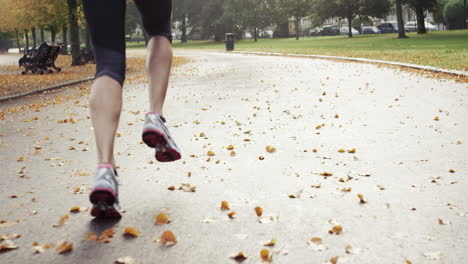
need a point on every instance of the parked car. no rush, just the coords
(247, 35)
(370, 30)
(412, 26)
(266, 34)
(333, 30)
(315, 31)
(345, 31)
(389, 27)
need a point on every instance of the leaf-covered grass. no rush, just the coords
(444, 49)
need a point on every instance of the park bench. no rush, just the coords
(40, 60)
(3, 50)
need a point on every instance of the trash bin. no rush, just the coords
(229, 41)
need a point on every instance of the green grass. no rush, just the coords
(445, 49)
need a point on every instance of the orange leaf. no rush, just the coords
(259, 211)
(168, 238)
(224, 205)
(62, 221)
(162, 219)
(130, 231)
(64, 247)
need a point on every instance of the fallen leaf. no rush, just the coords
(92, 237)
(338, 229)
(21, 159)
(270, 149)
(125, 260)
(233, 153)
(261, 158)
(171, 188)
(348, 249)
(187, 187)
(230, 147)
(240, 257)
(10, 236)
(452, 171)
(326, 174)
(408, 261)
(443, 222)
(232, 214)
(7, 245)
(131, 231)
(168, 239)
(211, 153)
(63, 247)
(334, 260)
(75, 209)
(316, 240)
(41, 249)
(436, 118)
(361, 198)
(225, 205)
(258, 211)
(62, 221)
(162, 219)
(265, 255)
(271, 243)
(341, 150)
(352, 151)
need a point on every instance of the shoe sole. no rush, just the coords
(156, 139)
(103, 201)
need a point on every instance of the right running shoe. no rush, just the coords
(104, 196)
(156, 135)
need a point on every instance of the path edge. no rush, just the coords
(50, 88)
(393, 63)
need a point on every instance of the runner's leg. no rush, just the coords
(156, 16)
(106, 20)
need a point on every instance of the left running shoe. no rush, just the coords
(104, 196)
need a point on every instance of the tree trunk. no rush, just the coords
(146, 37)
(33, 33)
(255, 33)
(297, 28)
(42, 35)
(350, 26)
(64, 38)
(27, 38)
(52, 34)
(74, 32)
(420, 19)
(88, 38)
(401, 24)
(18, 41)
(183, 38)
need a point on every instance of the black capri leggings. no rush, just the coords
(106, 20)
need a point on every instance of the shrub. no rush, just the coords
(455, 14)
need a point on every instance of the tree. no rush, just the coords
(420, 7)
(74, 31)
(349, 9)
(455, 13)
(401, 24)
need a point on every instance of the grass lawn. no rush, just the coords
(444, 49)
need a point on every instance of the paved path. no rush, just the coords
(416, 209)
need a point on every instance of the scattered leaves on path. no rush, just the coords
(258, 211)
(168, 239)
(125, 260)
(265, 255)
(63, 247)
(7, 245)
(62, 221)
(240, 257)
(41, 249)
(162, 219)
(271, 243)
(361, 198)
(225, 205)
(132, 232)
(338, 229)
(105, 237)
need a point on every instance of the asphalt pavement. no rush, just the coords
(338, 130)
